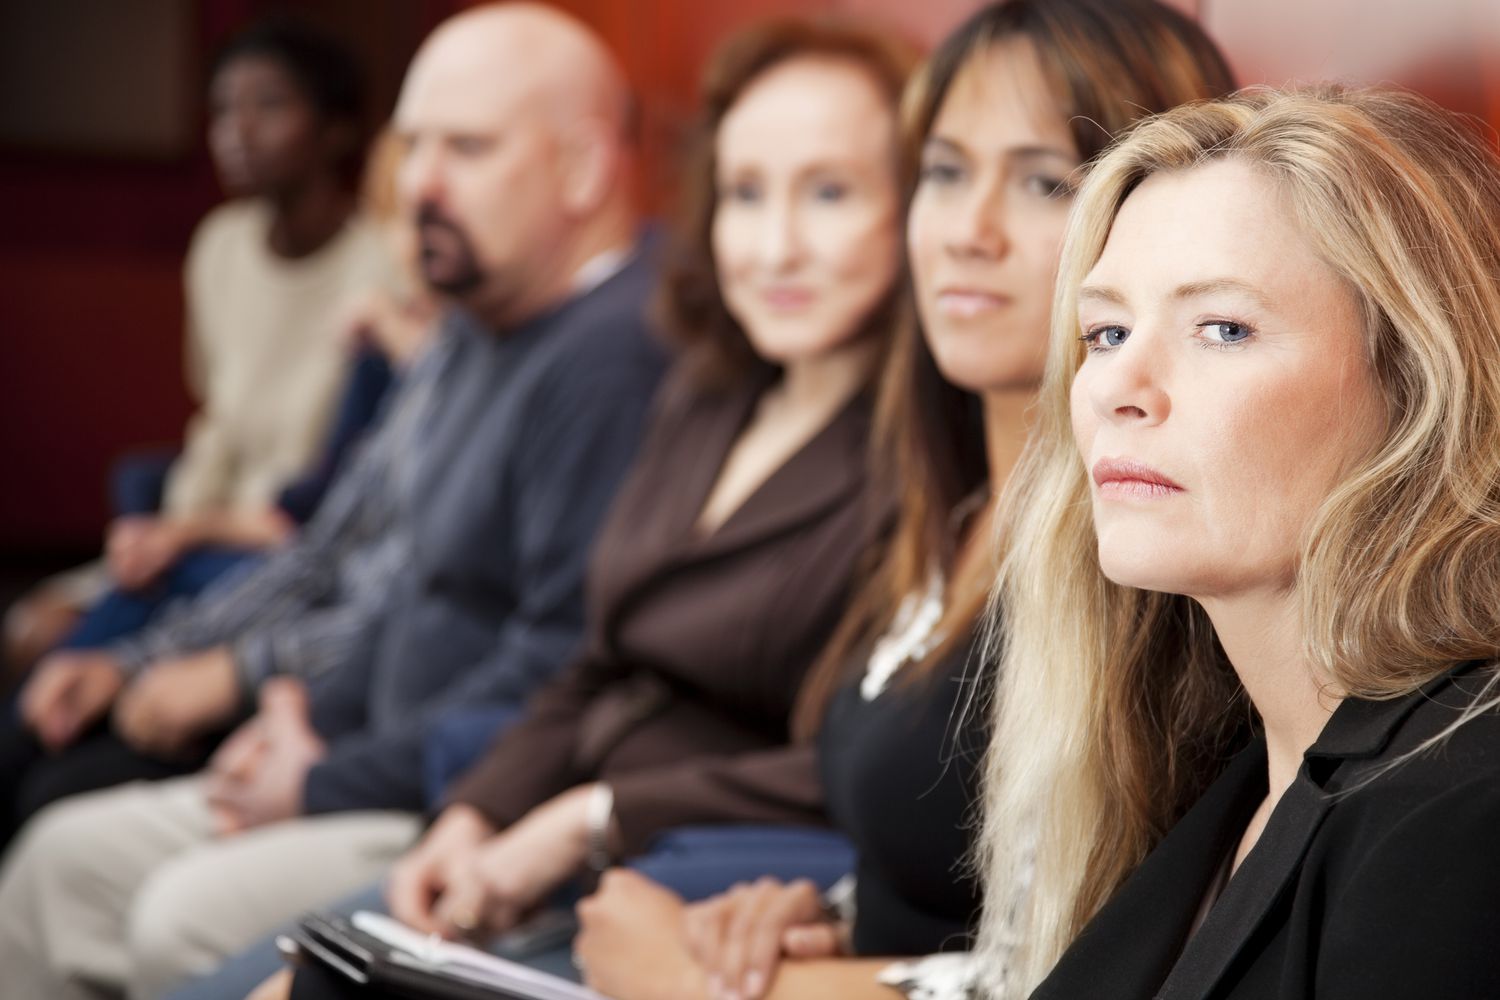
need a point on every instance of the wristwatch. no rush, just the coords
(598, 813)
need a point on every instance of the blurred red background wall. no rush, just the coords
(91, 245)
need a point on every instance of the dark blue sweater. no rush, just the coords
(529, 433)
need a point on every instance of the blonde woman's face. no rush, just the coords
(987, 219)
(1226, 390)
(804, 234)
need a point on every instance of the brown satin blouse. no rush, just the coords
(696, 645)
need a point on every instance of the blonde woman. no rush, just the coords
(1263, 509)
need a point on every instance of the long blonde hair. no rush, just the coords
(1116, 705)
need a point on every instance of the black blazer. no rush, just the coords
(1364, 886)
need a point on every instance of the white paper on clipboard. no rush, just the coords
(469, 963)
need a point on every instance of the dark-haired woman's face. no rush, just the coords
(805, 238)
(986, 222)
(263, 132)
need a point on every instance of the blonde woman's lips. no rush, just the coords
(1124, 477)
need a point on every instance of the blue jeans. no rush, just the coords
(696, 862)
(701, 861)
(137, 480)
(457, 743)
(120, 613)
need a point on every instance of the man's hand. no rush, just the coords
(234, 763)
(68, 692)
(740, 937)
(630, 943)
(514, 871)
(398, 329)
(258, 775)
(424, 874)
(175, 702)
(137, 549)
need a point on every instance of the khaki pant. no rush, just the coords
(128, 889)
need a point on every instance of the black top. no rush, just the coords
(901, 775)
(1363, 885)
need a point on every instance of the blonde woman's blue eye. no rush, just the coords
(1225, 331)
(1104, 338)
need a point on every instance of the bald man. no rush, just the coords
(443, 574)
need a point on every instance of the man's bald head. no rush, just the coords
(514, 116)
(520, 58)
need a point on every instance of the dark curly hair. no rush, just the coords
(323, 68)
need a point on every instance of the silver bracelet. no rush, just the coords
(838, 901)
(600, 810)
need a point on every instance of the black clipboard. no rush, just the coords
(355, 956)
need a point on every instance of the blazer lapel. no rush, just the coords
(663, 498)
(821, 473)
(1358, 732)
(1155, 907)
(1153, 911)
(698, 455)
(1250, 894)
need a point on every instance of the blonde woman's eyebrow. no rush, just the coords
(1190, 290)
(1219, 286)
(1101, 293)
